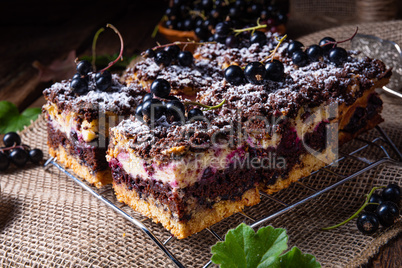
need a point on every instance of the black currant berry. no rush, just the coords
(4, 162)
(338, 55)
(234, 12)
(147, 96)
(275, 70)
(232, 41)
(300, 58)
(195, 114)
(221, 39)
(103, 80)
(153, 109)
(210, 23)
(172, 13)
(11, 139)
(314, 52)
(35, 155)
(173, 51)
(169, 98)
(179, 25)
(258, 38)
(138, 112)
(188, 24)
(327, 47)
(84, 67)
(367, 223)
(185, 58)
(222, 28)
(255, 72)
(387, 213)
(294, 46)
(207, 4)
(79, 86)
(264, 14)
(201, 32)
(76, 76)
(163, 58)
(160, 88)
(175, 111)
(241, 4)
(392, 193)
(149, 53)
(374, 198)
(170, 24)
(19, 157)
(220, 3)
(234, 74)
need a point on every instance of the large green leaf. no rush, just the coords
(12, 120)
(243, 248)
(294, 258)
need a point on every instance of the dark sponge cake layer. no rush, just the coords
(228, 184)
(88, 155)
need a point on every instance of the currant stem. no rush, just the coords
(343, 41)
(198, 13)
(182, 43)
(23, 146)
(96, 36)
(276, 48)
(121, 48)
(207, 107)
(366, 203)
(259, 26)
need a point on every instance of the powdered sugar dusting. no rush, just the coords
(310, 86)
(119, 99)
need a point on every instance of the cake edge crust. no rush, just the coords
(199, 221)
(98, 179)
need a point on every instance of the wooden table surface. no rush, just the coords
(50, 33)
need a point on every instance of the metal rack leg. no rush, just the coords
(119, 211)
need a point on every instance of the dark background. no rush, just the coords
(46, 31)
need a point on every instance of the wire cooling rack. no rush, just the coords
(382, 147)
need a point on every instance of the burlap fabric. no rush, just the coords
(46, 220)
(307, 16)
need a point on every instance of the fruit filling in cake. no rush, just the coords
(190, 162)
(79, 113)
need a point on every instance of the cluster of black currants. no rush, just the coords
(17, 153)
(380, 209)
(171, 54)
(327, 48)
(159, 103)
(80, 80)
(228, 34)
(203, 16)
(255, 72)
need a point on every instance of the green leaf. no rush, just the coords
(31, 113)
(243, 248)
(7, 109)
(12, 120)
(294, 258)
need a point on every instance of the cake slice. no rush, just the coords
(188, 175)
(78, 125)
